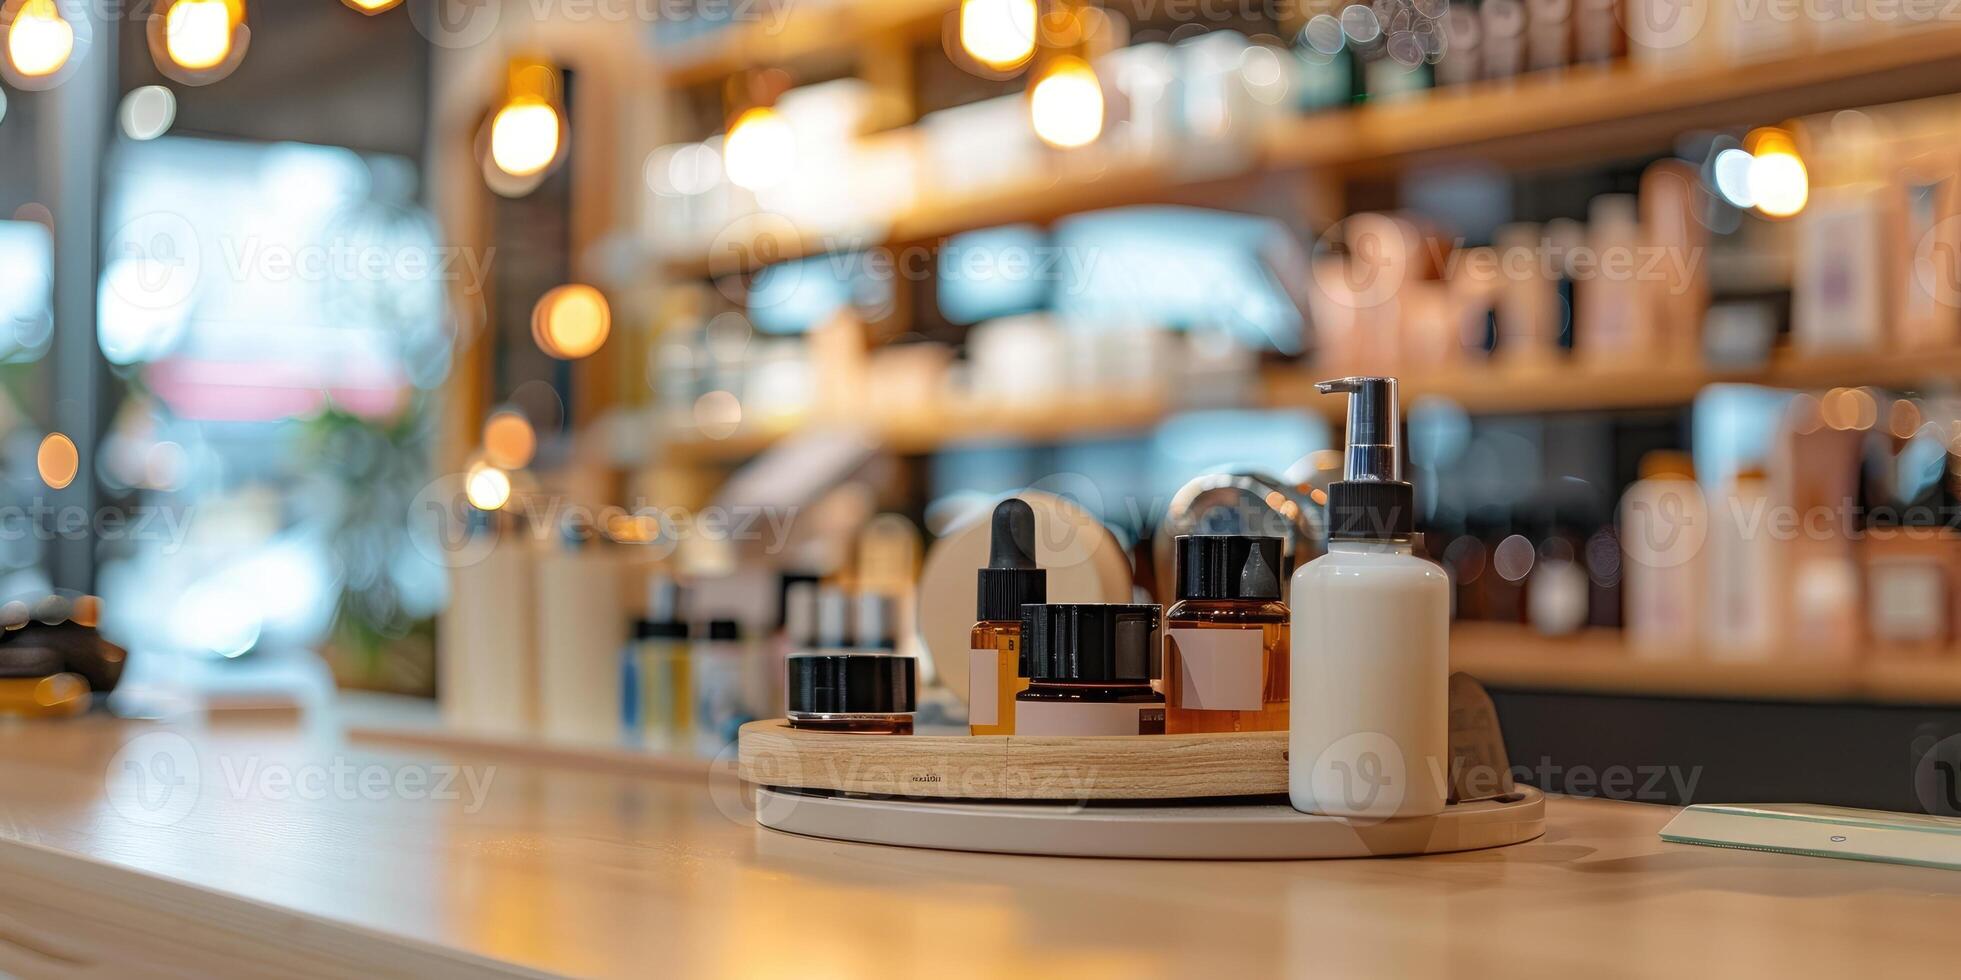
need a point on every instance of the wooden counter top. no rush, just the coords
(350, 868)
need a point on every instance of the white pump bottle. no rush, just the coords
(1371, 638)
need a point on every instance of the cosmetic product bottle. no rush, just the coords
(1529, 307)
(1503, 36)
(1371, 638)
(1549, 34)
(1926, 200)
(1747, 578)
(1090, 668)
(1225, 647)
(1664, 525)
(853, 693)
(995, 666)
(1597, 35)
(657, 692)
(1610, 316)
(1838, 294)
(1911, 589)
(722, 696)
(1672, 200)
(1464, 39)
(872, 623)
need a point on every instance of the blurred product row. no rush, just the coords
(1838, 237)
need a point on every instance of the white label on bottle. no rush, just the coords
(1219, 669)
(983, 686)
(1084, 718)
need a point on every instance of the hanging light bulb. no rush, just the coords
(372, 6)
(1066, 104)
(197, 42)
(759, 150)
(998, 33)
(527, 133)
(1777, 181)
(198, 33)
(39, 40)
(524, 138)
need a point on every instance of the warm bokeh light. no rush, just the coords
(1903, 419)
(39, 41)
(998, 33)
(1066, 105)
(718, 414)
(1848, 409)
(1779, 185)
(508, 440)
(197, 34)
(487, 487)
(57, 460)
(759, 150)
(373, 6)
(524, 137)
(571, 321)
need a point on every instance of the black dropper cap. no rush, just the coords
(1228, 566)
(724, 629)
(663, 620)
(1011, 579)
(850, 684)
(1370, 502)
(1090, 642)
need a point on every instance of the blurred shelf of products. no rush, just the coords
(730, 327)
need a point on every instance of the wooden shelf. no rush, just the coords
(1476, 388)
(950, 425)
(1600, 112)
(1599, 662)
(1540, 119)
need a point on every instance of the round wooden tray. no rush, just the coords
(1016, 767)
(1267, 831)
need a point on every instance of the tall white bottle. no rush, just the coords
(1371, 638)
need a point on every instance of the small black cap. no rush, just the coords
(1371, 510)
(850, 683)
(724, 629)
(1011, 579)
(1228, 566)
(1107, 643)
(659, 629)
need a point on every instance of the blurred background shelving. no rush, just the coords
(1588, 112)
(1483, 389)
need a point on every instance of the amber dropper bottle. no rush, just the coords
(1010, 580)
(1226, 646)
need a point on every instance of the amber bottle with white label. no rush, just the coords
(1225, 647)
(1010, 580)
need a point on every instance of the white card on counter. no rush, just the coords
(983, 686)
(1219, 669)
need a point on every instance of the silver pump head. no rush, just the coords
(1374, 453)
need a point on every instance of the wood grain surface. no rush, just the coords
(600, 873)
(1016, 767)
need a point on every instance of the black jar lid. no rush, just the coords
(1228, 566)
(1109, 643)
(850, 684)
